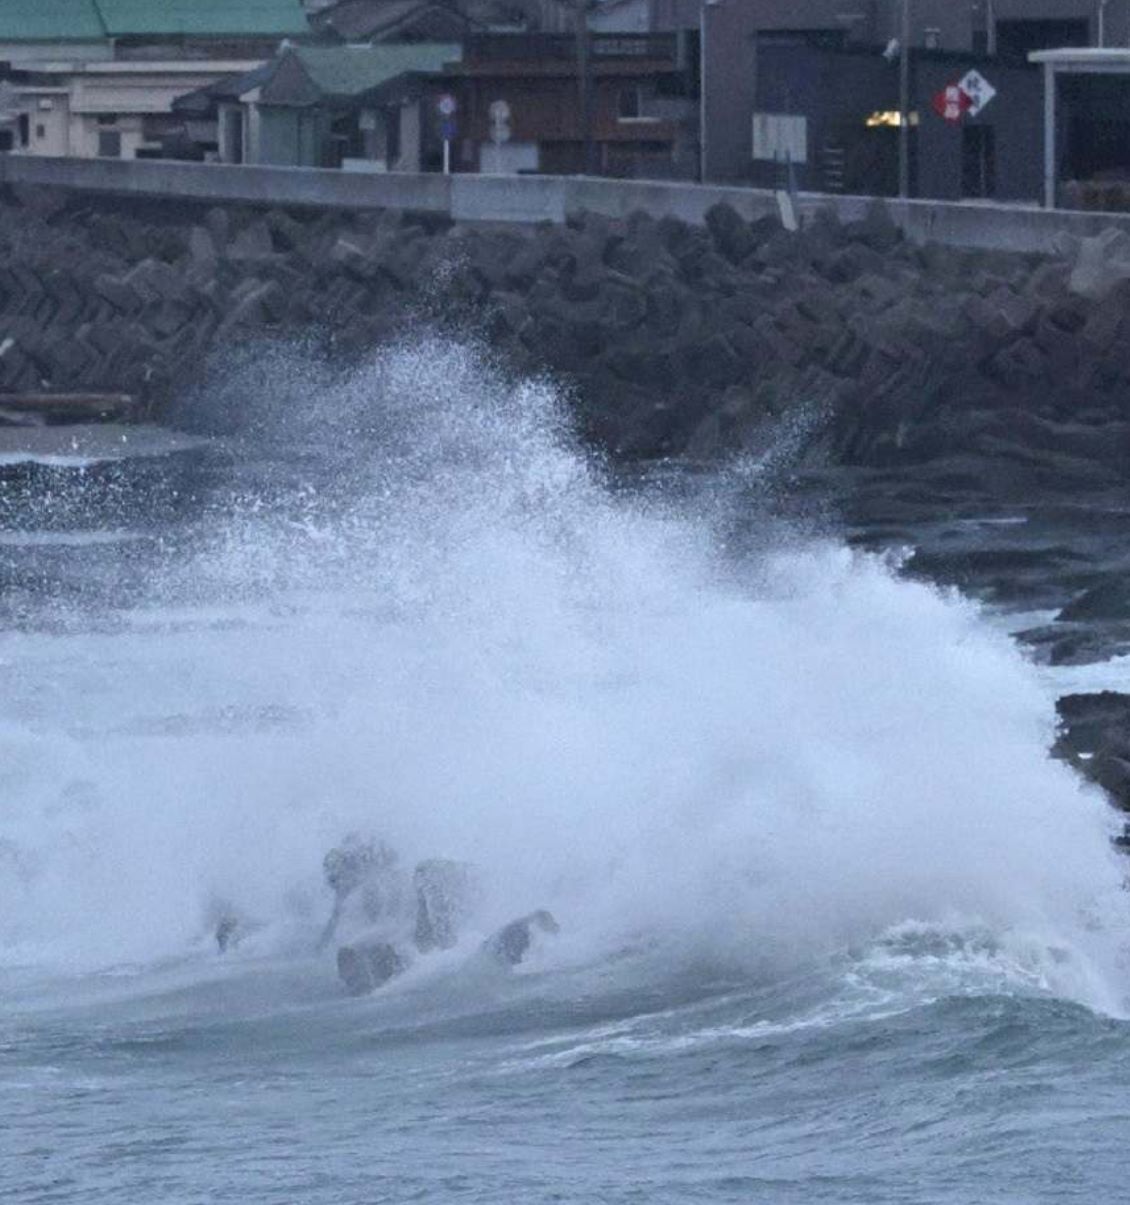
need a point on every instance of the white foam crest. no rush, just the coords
(491, 656)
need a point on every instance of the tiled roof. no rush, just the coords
(203, 18)
(96, 20)
(351, 70)
(50, 20)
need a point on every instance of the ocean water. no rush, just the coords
(833, 925)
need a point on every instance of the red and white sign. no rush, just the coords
(952, 103)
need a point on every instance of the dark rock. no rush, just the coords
(366, 966)
(732, 235)
(219, 224)
(287, 234)
(1111, 600)
(365, 868)
(252, 242)
(227, 933)
(877, 229)
(445, 894)
(512, 942)
(1095, 739)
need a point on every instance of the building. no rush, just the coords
(108, 109)
(1008, 28)
(1086, 129)
(359, 107)
(643, 119)
(372, 21)
(827, 120)
(98, 77)
(355, 21)
(808, 91)
(155, 30)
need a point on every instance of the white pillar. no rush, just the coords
(1050, 168)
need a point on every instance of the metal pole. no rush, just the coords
(447, 156)
(702, 95)
(1050, 169)
(991, 23)
(904, 103)
(584, 77)
(1102, 23)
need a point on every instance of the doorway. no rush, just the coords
(978, 161)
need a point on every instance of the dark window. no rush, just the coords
(107, 119)
(392, 133)
(25, 129)
(824, 39)
(109, 144)
(41, 131)
(978, 161)
(1017, 39)
(628, 103)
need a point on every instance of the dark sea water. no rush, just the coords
(834, 927)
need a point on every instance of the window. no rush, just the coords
(107, 119)
(628, 104)
(41, 131)
(1016, 39)
(109, 144)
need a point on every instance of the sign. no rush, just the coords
(952, 103)
(447, 105)
(499, 122)
(448, 130)
(978, 89)
(780, 137)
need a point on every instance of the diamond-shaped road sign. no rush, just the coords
(978, 89)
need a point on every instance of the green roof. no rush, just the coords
(350, 70)
(50, 21)
(96, 20)
(202, 18)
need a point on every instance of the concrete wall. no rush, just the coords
(474, 198)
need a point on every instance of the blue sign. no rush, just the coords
(447, 129)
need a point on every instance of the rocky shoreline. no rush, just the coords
(925, 385)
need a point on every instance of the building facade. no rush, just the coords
(103, 109)
(808, 93)
(642, 107)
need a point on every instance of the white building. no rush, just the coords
(113, 109)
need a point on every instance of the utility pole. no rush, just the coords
(904, 102)
(584, 81)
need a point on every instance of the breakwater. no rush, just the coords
(675, 339)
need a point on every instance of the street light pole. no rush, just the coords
(904, 103)
(584, 79)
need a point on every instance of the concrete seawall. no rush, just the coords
(526, 199)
